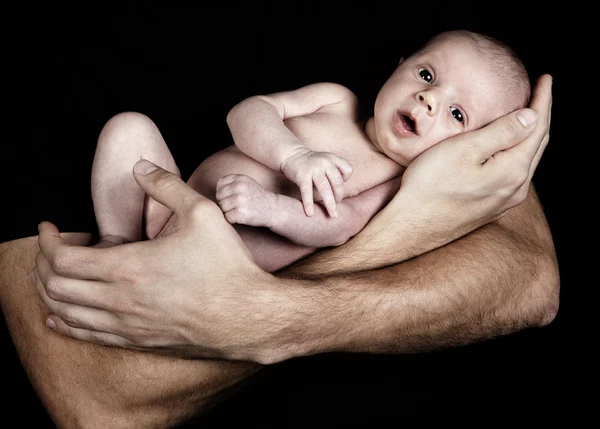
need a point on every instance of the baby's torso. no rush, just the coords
(324, 131)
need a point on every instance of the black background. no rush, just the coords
(70, 70)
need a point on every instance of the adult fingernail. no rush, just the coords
(50, 323)
(527, 117)
(144, 167)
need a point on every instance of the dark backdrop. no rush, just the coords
(71, 70)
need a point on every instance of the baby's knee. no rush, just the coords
(127, 124)
(130, 119)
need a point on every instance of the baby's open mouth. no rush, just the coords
(404, 124)
(409, 123)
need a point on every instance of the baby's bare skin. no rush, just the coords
(263, 197)
(328, 130)
(129, 136)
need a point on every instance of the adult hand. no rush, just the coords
(482, 174)
(462, 183)
(195, 284)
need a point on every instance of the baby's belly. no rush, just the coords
(232, 161)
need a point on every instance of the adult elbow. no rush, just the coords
(544, 305)
(550, 310)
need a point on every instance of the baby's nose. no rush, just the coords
(428, 102)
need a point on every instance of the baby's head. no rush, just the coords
(459, 81)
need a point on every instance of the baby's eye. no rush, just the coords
(425, 75)
(457, 114)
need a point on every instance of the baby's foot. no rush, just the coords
(243, 200)
(110, 241)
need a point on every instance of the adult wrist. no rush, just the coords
(273, 335)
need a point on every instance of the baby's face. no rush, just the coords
(445, 90)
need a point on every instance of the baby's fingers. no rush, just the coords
(324, 188)
(344, 168)
(306, 190)
(336, 182)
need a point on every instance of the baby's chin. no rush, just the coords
(397, 151)
(402, 157)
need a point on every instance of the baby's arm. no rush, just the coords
(244, 201)
(258, 130)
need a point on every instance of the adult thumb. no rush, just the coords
(165, 187)
(505, 132)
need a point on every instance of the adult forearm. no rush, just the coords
(399, 232)
(501, 278)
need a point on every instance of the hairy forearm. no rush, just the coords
(404, 229)
(258, 131)
(499, 279)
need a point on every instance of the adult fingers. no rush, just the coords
(501, 134)
(538, 156)
(83, 292)
(541, 103)
(74, 261)
(529, 152)
(76, 315)
(92, 336)
(165, 187)
(80, 317)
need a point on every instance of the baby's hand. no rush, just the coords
(243, 200)
(325, 170)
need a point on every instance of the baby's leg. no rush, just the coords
(119, 203)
